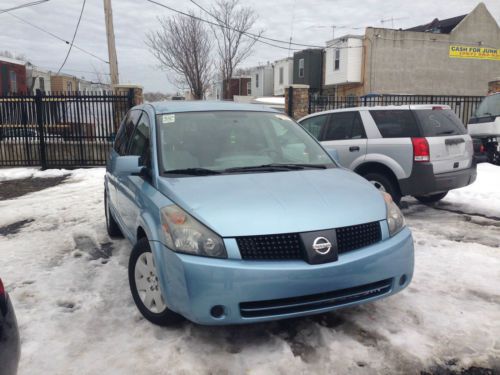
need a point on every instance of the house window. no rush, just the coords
(301, 68)
(249, 87)
(282, 73)
(336, 65)
(42, 83)
(13, 81)
(256, 80)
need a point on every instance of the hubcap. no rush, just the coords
(378, 185)
(146, 282)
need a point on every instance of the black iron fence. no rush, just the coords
(59, 129)
(463, 106)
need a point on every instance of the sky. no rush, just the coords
(306, 21)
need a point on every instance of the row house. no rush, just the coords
(12, 76)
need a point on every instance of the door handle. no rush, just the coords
(354, 148)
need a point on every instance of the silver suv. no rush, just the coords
(419, 150)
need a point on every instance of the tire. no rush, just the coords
(384, 183)
(111, 224)
(432, 198)
(494, 157)
(141, 267)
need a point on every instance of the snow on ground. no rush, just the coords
(18, 173)
(68, 282)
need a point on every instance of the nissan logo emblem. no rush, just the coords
(321, 245)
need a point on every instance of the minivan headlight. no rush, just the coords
(395, 219)
(185, 234)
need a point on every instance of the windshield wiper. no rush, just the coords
(193, 171)
(275, 167)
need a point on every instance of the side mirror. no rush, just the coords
(128, 165)
(334, 155)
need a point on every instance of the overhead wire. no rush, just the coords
(56, 37)
(23, 6)
(250, 35)
(247, 33)
(74, 36)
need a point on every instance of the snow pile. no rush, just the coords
(20, 173)
(68, 282)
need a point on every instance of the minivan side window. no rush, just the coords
(313, 124)
(125, 131)
(139, 143)
(344, 125)
(395, 123)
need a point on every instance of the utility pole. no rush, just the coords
(110, 34)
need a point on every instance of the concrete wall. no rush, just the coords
(405, 62)
(287, 65)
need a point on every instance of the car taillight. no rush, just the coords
(2, 289)
(482, 148)
(420, 149)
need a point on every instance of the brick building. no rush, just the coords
(12, 76)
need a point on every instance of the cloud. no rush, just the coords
(306, 21)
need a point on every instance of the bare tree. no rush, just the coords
(183, 46)
(11, 55)
(233, 46)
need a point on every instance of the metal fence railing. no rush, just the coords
(463, 106)
(59, 129)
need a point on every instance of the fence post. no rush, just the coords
(290, 101)
(131, 97)
(41, 130)
(309, 100)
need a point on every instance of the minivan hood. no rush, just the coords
(277, 202)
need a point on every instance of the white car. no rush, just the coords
(419, 150)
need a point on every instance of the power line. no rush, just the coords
(56, 37)
(23, 6)
(74, 36)
(247, 33)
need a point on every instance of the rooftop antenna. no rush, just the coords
(391, 20)
(291, 27)
(333, 27)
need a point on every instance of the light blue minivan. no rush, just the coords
(238, 215)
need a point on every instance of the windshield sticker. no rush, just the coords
(167, 119)
(282, 117)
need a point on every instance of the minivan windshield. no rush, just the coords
(489, 107)
(197, 143)
(439, 122)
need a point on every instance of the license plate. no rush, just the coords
(453, 150)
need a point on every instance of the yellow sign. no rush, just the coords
(482, 53)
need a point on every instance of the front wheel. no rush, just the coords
(384, 184)
(432, 198)
(145, 286)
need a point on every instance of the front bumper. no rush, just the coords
(423, 181)
(193, 285)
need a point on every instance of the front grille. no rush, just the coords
(289, 246)
(276, 246)
(313, 302)
(358, 236)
